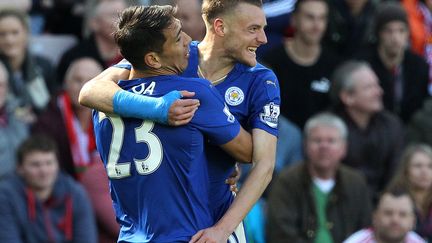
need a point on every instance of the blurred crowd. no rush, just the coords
(354, 154)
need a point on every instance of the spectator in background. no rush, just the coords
(302, 65)
(100, 45)
(32, 76)
(189, 13)
(419, 130)
(319, 200)
(393, 221)
(420, 23)
(375, 137)
(67, 12)
(22, 5)
(95, 181)
(415, 175)
(13, 130)
(278, 14)
(69, 123)
(403, 75)
(350, 26)
(40, 204)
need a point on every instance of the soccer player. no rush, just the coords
(158, 174)
(226, 56)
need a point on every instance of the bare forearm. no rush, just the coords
(98, 93)
(264, 149)
(240, 148)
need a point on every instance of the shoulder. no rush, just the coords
(361, 236)
(42, 61)
(389, 120)
(413, 58)
(292, 173)
(330, 58)
(66, 184)
(258, 70)
(351, 175)
(259, 76)
(10, 185)
(414, 238)
(195, 84)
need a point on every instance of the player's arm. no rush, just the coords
(264, 113)
(103, 94)
(264, 152)
(98, 93)
(240, 148)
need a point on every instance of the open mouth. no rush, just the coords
(252, 49)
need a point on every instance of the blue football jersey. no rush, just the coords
(158, 174)
(253, 97)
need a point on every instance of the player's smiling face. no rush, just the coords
(244, 33)
(175, 52)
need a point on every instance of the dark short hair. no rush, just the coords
(397, 190)
(388, 12)
(140, 31)
(212, 9)
(19, 15)
(36, 142)
(299, 2)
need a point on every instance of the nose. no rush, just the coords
(262, 38)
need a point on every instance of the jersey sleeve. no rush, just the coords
(213, 117)
(125, 64)
(265, 108)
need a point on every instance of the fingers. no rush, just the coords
(231, 181)
(180, 122)
(234, 188)
(182, 111)
(186, 115)
(197, 236)
(180, 107)
(187, 94)
(183, 118)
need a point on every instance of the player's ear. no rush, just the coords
(218, 25)
(152, 60)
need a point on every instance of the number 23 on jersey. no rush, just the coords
(143, 134)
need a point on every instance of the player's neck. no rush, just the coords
(213, 64)
(135, 73)
(301, 52)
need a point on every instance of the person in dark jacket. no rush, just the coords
(32, 77)
(375, 137)
(69, 123)
(319, 200)
(40, 204)
(403, 75)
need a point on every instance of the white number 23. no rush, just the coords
(143, 134)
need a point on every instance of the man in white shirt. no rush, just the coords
(393, 221)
